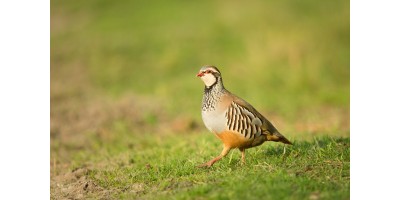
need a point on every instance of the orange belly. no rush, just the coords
(234, 140)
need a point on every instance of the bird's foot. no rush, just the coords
(207, 164)
(204, 165)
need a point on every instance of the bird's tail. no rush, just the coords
(277, 137)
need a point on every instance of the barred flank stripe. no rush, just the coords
(248, 121)
(240, 119)
(229, 113)
(232, 124)
(245, 129)
(254, 128)
(240, 122)
(258, 129)
(240, 128)
(248, 129)
(236, 122)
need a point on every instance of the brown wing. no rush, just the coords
(259, 120)
(266, 126)
(243, 121)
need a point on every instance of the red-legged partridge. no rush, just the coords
(234, 121)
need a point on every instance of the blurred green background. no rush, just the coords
(281, 55)
(132, 64)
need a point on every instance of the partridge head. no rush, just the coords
(234, 121)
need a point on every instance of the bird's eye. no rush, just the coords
(208, 71)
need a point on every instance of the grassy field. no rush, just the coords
(125, 102)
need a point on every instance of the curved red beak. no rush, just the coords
(200, 74)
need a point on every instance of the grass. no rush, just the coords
(164, 167)
(125, 119)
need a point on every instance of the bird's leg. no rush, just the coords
(243, 156)
(284, 149)
(211, 162)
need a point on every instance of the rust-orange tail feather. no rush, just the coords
(277, 137)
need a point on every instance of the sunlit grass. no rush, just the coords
(125, 102)
(165, 167)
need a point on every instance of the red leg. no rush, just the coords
(243, 156)
(211, 162)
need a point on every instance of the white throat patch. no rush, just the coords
(208, 79)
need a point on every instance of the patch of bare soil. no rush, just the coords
(75, 120)
(76, 185)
